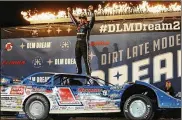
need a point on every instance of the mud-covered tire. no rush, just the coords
(138, 107)
(37, 107)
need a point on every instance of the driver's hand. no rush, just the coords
(69, 9)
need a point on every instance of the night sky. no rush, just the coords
(11, 10)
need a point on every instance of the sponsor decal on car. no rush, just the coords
(112, 96)
(4, 90)
(89, 90)
(17, 90)
(9, 98)
(66, 97)
(55, 107)
(41, 90)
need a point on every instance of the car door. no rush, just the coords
(66, 91)
(79, 93)
(96, 97)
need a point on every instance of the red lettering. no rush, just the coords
(23, 62)
(89, 90)
(17, 90)
(99, 43)
(13, 62)
(80, 89)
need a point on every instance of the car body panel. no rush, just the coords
(164, 100)
(75, 99)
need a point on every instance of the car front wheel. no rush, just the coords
(138, 107)
(37, 107)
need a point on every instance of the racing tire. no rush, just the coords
(138, 107)
(37, 108)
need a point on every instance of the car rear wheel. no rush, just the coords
(37, 107)
(138, 107)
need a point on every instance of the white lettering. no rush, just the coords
(118, 75)
(146, 47)
(167, 70)
(115, 57)
(128, 27)
(104, 59)
(135, 51)
(151, 26)
(138, 26)
(167, 26)
(164, 42)
(112, 28)
(141, 47)
(157, 27)
(137, 73)
(178, 39)
(156, 45)
(128, 53)
(121, 54)
(39, 45)
(171, 41)
(176, 25)
(117, 28)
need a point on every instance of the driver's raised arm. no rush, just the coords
(72, 17)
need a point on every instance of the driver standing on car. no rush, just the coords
(82, 44)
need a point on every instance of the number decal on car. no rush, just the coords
(105, 93)
(66, 97)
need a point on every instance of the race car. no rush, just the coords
(45, 93)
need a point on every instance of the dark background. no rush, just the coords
(10, 11)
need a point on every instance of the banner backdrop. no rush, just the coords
(117, 57)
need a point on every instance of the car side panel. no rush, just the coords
(12, 97)
(85, 99)
(164, 100)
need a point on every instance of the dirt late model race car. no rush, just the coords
(77, 94)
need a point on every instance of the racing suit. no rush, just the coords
(82, 43)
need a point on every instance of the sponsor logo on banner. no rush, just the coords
(13, 62)
(9, 46)
(99, 43)
(62, 61)
(17, 90)
(141, 49)
(36, 45)
(130, 27)
(65, 61)
(37, 62)
(162, 64)
(65, 45)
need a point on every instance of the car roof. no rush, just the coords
(82, 75)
